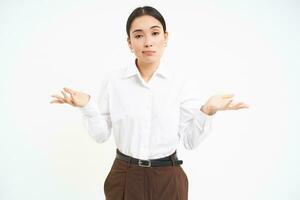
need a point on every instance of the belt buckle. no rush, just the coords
(147, 165)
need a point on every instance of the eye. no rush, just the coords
(155, 33)
(137, 36)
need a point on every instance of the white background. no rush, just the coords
(249, 48)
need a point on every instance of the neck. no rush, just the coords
(147, 69)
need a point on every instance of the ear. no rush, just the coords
(129, 42)
(166, 36)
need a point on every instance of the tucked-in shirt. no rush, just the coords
(148, 119)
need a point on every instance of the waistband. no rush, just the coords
(171, 160)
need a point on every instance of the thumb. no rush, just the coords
(71, 92)
(229, 102)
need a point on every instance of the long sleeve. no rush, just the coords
(194, 124)
(97, 118)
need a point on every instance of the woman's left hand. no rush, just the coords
(221, 102)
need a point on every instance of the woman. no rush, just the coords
(151, 111)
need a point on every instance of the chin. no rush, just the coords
(149, 59)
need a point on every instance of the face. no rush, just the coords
(147, 39)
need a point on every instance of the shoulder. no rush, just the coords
(183, 78)
(116, 73)
(108, 78)
(113, 75)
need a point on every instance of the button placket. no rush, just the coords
(147, 124)
(149, 121)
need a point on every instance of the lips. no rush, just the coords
(148, 52)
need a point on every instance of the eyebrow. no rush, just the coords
(136, 30)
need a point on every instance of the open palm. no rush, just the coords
(223, 102)
(72, 97)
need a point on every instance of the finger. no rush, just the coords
(68, 90)
(71, 92)
(228, 104)
(244, 106)
(239, 106)
(247, 106)
(57, 101)
(57, 96)
(67, 99)
(70, 100)
(66, 96)
(225, 96)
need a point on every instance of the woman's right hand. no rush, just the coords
(75, 98)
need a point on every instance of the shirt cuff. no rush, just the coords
(202, 117)
(90, 109)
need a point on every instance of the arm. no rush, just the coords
(97, 119)
(194, 123)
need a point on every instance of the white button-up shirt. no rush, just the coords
(148, 119)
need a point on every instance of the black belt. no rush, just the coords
(166, 161)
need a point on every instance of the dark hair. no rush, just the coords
(141, 11)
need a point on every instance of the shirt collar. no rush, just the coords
(132, 70)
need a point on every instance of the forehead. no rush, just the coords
(144, 23)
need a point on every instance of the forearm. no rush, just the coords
(98, 124)
(196, 129)
(98, 128)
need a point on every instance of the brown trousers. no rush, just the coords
(131, 182)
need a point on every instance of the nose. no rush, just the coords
(148, 42)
